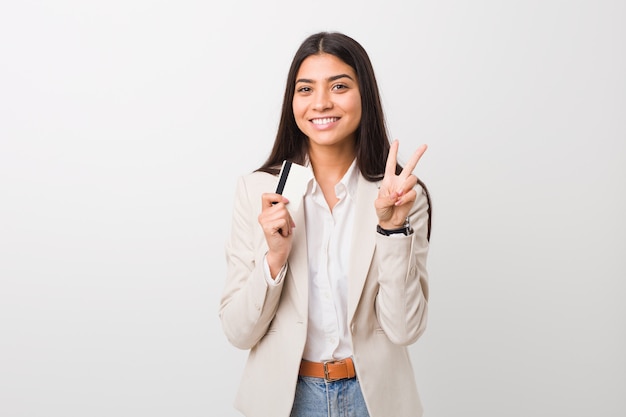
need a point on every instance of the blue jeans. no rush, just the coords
(318, 398)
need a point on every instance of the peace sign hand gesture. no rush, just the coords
(396, 194)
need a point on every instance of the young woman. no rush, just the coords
(328, 298)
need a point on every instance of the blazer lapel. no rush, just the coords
(363, 241)
(298, 259)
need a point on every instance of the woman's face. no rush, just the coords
(327, 100)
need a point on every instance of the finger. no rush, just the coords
(288, 227)
(412, 162)
(408, 184)
(408, 197)
(390, 168)
(269, 199)
(386, 201)
(277, 227)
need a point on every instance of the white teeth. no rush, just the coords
(325, 120)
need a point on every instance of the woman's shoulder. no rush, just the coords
(258, 182)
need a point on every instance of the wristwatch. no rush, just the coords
(406, 229)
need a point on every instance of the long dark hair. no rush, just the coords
(372, 141)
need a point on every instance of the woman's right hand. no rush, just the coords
(277, 227)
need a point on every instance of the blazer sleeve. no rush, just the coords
(248, 303)
(402, 299)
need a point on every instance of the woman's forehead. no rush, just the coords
(321, 66)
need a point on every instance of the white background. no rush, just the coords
(123, 127)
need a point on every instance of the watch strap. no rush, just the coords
(406, 229)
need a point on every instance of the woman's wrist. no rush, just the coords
(388, 229)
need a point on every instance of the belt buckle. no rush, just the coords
(327, 378)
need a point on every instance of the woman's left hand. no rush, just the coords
(396, 193)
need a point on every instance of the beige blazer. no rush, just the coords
(387, 305)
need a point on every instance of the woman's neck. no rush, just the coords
(329, 166)
(330, 163)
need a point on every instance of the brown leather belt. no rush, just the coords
(330, 370)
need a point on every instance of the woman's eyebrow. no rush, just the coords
(332, 78)
(336, 77)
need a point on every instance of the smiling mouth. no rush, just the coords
(324, 120)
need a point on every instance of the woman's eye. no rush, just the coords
(339, 87)
(304, 90)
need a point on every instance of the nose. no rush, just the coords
(322, 100)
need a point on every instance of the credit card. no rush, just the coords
(292, 182)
